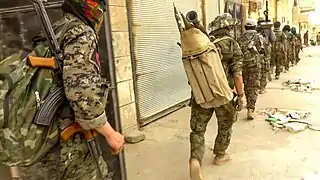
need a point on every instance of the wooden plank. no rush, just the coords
(204, 86)
(193, 82)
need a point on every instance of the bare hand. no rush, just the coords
(239, 103)
(116, 142)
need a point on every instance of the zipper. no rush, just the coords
(6, 102)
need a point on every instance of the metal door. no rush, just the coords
(161, 83)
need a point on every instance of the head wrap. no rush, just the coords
(91, 11)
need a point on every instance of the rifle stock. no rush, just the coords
(42, 62)
(74, 128)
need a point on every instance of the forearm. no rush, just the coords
(238, 84)
(106, 130)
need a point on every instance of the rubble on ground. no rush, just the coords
(299, 85)
(291, 120)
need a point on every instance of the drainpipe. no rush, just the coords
(204, 13)
(133, 59)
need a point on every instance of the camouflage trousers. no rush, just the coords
(297, 56)
(76, 163)
(286, 62)
(278, 63)
(292, 58)
(251, 81)
(265, 70)
(200, 117)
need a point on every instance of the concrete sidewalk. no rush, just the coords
(259, 153)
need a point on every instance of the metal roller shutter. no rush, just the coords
(161, 80)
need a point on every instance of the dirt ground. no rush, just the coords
(259, 153)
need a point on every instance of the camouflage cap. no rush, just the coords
(222, 21)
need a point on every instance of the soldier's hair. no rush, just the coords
(286, 28)
(276, 24)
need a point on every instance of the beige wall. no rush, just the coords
(121, 45)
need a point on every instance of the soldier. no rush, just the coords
(298, 44)
(306, 38)
(86, 91)
(268, 39)
(278, 54)
(251, 44)
(291, 41)
(226, 114)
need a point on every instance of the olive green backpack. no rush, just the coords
(29, 99)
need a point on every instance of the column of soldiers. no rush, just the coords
(265, 49)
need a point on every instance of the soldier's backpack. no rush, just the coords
(202, 64)
(29, 98)
(278, 46)
(250, 50)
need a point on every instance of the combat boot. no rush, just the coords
(195, 170)
(277, 77)
(221, 159)
(250, 114)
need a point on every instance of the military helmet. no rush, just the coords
(294, 30)
(222, 21)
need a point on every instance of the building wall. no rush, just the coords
(121, 45)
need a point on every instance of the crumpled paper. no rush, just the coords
(299, 85)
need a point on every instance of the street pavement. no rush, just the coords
(259, 153)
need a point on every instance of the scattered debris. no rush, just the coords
(299, 85)
(291, 120)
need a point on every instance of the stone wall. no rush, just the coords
(121, 45)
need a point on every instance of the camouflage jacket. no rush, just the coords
(232, 56)
(279, 46)
(291, 43)
(84, 87)
(298, 42)
(251, 44)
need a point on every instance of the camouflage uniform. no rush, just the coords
(298, 44)
(278, 54)
(226, 114)
(290, 49)
(86, 92)
(251, 44)
(268, 39)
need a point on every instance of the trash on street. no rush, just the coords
(292, 120)
(299, 85)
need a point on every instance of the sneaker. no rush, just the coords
(220, 160)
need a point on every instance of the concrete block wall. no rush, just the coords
(121, 45)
